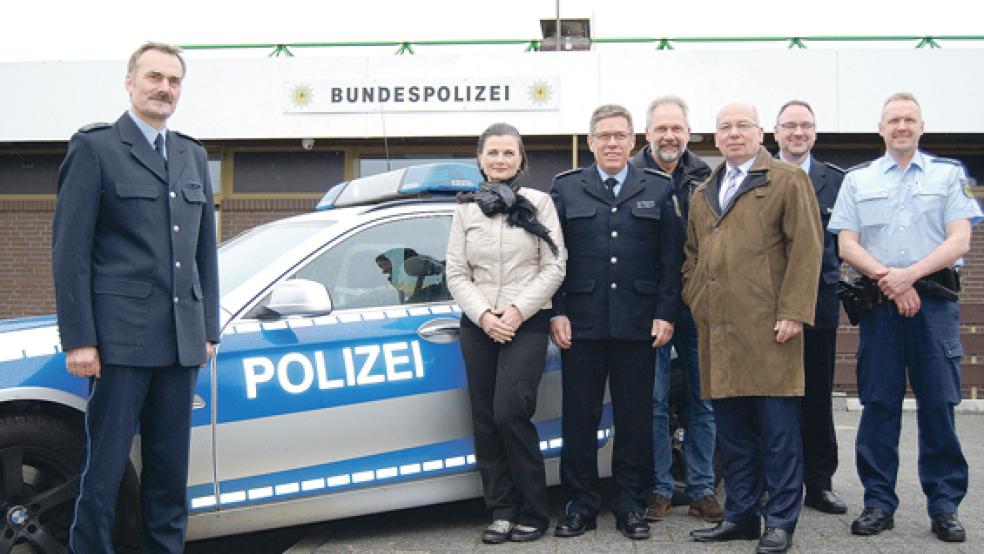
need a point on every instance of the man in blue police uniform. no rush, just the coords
(796, 132)
(668, 132)
(136, 286)
(904, 221)
(616, 305)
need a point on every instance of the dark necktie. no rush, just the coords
(610, 184)
(159, 146)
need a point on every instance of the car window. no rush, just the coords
(397, 262)
(246, 254)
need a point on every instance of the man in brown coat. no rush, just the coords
(753, 260)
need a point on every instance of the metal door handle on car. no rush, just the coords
(441, 330)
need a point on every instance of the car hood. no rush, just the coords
(23, 323)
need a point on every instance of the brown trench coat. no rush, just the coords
(757, 263)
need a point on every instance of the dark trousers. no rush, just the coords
(759, 440)
(628, 367)
(502, 384)
(819, 437)
(929, 346)
(159, 399)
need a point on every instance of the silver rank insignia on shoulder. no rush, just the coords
(646, 204)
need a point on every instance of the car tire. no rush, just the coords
(39, 477)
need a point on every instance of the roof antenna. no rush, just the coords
(382, 118)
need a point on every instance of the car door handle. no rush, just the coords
(441, 330)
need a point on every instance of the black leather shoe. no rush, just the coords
(871, 522)
(633, 526)
(574, 525)
(728, 531)
(774, 540)
(525, 533)
(826, 501)
(947, 528)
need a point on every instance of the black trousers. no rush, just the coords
(159, 400)
(628, 367)
(819, 437)
(502, 384)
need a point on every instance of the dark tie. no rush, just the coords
(159, 146)
(610, 184)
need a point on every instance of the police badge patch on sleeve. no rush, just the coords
(968, 184)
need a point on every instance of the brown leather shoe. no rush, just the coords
(657, 506)
(707, 508)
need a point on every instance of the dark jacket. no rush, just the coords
(826, 179)
(133, 250)
(624, 256)
(690, 172)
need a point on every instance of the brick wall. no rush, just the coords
(240, 215)
(26, 286)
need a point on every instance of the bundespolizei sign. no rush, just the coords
(489, 95)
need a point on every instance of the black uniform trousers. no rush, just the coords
(759, 441)
(819, 437)
(159, 400)
(502, 384)
(628, 367)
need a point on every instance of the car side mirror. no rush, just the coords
(299, 297)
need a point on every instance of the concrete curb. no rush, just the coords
(841, 402)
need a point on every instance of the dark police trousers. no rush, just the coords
(502, 384)
(819, 436)
(159, 399)
(929, 346)
(759, 441)
(627, 365)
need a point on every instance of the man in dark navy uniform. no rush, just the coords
(796, 132)
(136, 285)
(617, 304)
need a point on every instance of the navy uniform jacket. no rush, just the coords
(133, 248)
(826, 180)
(624, 256)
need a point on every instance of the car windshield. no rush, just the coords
(246, 254)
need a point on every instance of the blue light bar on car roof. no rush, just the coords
(410, 182)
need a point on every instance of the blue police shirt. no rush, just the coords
(902, 216)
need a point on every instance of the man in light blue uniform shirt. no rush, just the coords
(903, 220)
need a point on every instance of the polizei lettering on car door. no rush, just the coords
(365, 365)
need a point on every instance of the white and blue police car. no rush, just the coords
(338, 389)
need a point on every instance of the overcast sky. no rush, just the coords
(32, 30)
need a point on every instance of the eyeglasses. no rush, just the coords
(605, 138)
(790, 126)
(742, 126)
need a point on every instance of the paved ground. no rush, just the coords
(456, 527)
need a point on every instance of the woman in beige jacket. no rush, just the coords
(505, 260)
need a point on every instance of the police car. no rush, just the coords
(338, 389)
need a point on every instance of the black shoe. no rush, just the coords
(826, 501)
(871, 522)
(574, 525)
(948, 528)
(774, 540)
(728, 531)
(497, 532)
(525, 533)
(633, 526)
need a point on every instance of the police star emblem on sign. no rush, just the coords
(540, 93)
(301, 95)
